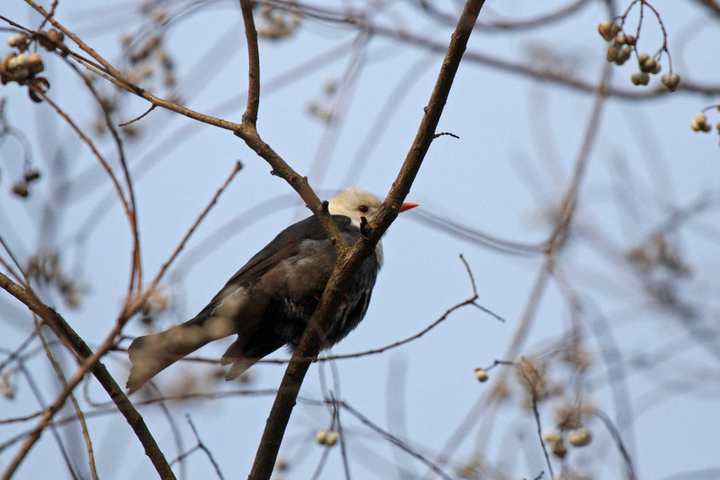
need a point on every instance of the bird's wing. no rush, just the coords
(152, 354)
(285, 245)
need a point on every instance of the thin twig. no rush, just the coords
(321, 463)
(103, 68)
(341, 434)
(395, 441)
(152, 107)
(93, 149)
(202, 447)
(50, 14)
(175, 431)
(181, 245)
(136, 277)
(35, 389)
(536, 414)
(108, 408)
(15, 355)
(543, 19)
(21, 279)
(406, 340)
(78, 411)
(105, 64)
(619, 442)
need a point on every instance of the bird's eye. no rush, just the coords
(363, 208)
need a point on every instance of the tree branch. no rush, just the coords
(253, 98)
(248, 132)
(348, 264)
(80, 349)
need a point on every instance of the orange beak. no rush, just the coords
(407, 206)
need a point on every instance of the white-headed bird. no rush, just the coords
(270, 300)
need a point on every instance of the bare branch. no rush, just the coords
(536, 414)
(348, 264)
(204, 448)
(91, 363)
(253, 97)
(76, 405)
(392, 439)
(618, 441)
(138, 303)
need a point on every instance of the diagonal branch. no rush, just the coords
(349, 263)
(78, 411)
(80, 349)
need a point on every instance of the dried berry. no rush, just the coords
(608, 30)
(559, 449)
(671, 81)
(35, 63)
(579, 437)
(481, 374)
(640, 78)
(20, 189)
(612, 53)
(31, 175)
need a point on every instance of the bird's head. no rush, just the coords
(356, 203)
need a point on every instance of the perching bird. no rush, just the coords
(269, 301)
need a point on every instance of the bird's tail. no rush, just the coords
(152, 354)
(240, 362)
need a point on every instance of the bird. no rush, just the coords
(269, 301)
